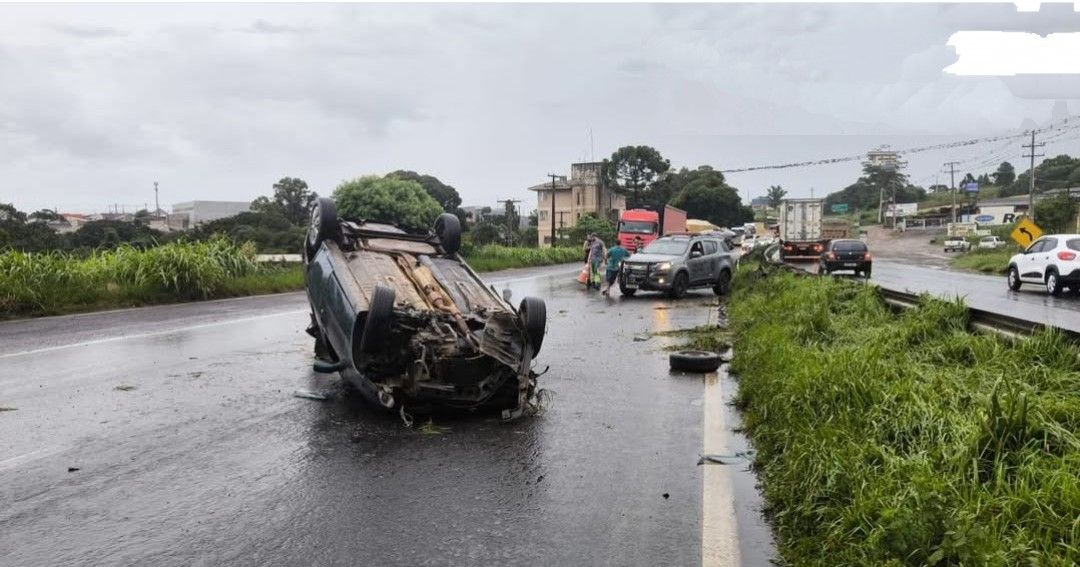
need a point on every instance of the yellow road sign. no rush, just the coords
(1026, 232)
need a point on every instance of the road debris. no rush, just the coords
(641, 338)
(124, 388)
(739, 457)
(5, 408)
(312, 395)
(73, 469)
(429, 428)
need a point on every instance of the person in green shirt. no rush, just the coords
(615, 256)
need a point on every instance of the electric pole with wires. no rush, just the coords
(952, 185)
(1031, 172)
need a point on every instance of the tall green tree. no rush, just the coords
(446, 195)
(292, 197)
(775, 195)
(706, 195)
(1056, 214)
(1054, 173)
(387, 199)
(1005, 174)
(631, 171)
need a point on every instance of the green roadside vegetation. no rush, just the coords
(984, 261)
(54, 283)
(889, 438)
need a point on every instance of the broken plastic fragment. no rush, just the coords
(310, 395)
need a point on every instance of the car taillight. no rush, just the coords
(832, 255)
(817, 248)
(866, 257)
(1066, 255)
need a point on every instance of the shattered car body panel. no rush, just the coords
(407, 322)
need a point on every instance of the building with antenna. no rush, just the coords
(583, 193)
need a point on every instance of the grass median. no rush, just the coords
(985, 261)
(903, 439)
(54, 283)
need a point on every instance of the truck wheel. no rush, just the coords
(694, 361)
(625, 290)
(723, 284)
(448, 229)
(324, 225)
(533, 315)
(1014, 278)
(680, 285)
(379, 320)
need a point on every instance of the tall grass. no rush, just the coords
(53, 282)
(888, 439)
(494, 257)
(985, 261)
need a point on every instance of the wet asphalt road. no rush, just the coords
(192, 450)
(986, 292)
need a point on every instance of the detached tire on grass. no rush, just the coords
(694, 361)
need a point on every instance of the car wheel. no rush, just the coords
(723, 284)
(324, 225)
(1014, 278)
(1053, 284)
(448, 229)
(625, 290)
(680, 285)
(379, 320)
(694, 361)
(533, 315)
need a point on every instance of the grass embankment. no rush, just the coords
(55, 282)
(985, 261)
(903, 439)
(492, 257)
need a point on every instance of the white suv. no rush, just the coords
(991, 243)
(1053, 260)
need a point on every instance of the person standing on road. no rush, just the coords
(595, 260)
(615, 256)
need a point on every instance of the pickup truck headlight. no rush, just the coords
(663, 266)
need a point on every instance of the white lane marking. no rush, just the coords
(153, 334)
(719, 533)
(8, 464)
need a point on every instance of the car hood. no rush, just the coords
(650, 258)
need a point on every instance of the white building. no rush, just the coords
(198, 212)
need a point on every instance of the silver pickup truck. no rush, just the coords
(674, 264)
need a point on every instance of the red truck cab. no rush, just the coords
(638, 226)
(642, 226)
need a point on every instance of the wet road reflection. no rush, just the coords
(210, 460)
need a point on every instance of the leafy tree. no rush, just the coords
(270, 232)
(1056, 172)
(1056, 214)
(292, 196)
(44, 215)
(1005, 174)
(969, 178)
(939, 188)
(707, 196)
(487, 232)
(387, 199)
(142, 214)
(445, 194)
(266, 206)
(8, 212)
(775, 195)
(983, 180)
(631, 171)
(586, 225)
(111, 233)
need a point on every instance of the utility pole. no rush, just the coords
(157, 204)
(508, 211)
(1031, 180)
(952, 185)
(553, 178)
(561, 223)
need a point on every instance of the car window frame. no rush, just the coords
(1035, 247)
(706, 244)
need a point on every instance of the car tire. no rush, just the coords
(533, 315)
(679, 285)
(723, 283)
(626, 291)
(1014, 278)
(1053, 283)
(379, 320)
(694, 361)
(448, 229)
(324, 225)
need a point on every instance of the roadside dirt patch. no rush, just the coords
(910, 247)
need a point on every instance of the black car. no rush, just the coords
(404, 319)
(846, 254)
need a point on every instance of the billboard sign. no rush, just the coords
(839, 208)
(971, 187)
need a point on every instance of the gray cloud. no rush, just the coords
(217, 101)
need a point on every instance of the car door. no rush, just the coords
(712, 263)
(696, 262)
(1042, 258)
(1027, 264)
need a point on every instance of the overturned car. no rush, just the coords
(407, 322)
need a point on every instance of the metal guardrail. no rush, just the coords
(979, 319)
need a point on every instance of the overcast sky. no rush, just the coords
(219, 101)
